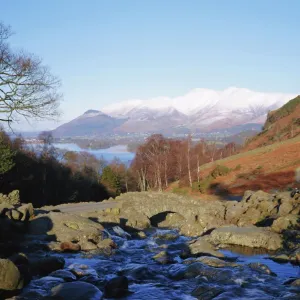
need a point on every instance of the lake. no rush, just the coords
(119, 151)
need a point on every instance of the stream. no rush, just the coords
(180, 278)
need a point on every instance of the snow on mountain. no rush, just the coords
(203, 108)
(198, 99)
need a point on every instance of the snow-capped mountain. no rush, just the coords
(200, 110)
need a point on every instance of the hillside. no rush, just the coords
(272, 167)
(281, 124)
(91, 123)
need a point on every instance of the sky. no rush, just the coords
(107, 51)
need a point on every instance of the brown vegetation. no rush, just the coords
(281, 124)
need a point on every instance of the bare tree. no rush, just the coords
(27, 88)
(189, 145)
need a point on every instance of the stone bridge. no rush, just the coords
(171, 210)
(197, 216)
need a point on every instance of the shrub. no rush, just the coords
(220, 171)
(195, 186)
(204, 184)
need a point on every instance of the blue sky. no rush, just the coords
(114, 50)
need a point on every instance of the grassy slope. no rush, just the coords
(281, 124)
(266, 168)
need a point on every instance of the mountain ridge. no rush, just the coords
(200, 110)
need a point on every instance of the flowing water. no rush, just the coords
(181, 278)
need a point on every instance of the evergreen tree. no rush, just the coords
(110, 178)
(6, 155)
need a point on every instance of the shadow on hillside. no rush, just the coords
(249, 181)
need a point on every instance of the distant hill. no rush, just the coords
(281, 124)
(92, 123)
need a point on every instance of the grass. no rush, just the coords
(180, 191)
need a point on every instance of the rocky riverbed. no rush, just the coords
(128, 252)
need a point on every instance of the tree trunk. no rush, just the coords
(198, 169)
(188, 160)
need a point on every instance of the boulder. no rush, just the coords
(286, 222)
(106, 246)
(211, 274)
(46, 265)
(19, 259)
(296, 282)
(207, 292)
(12, 198)
(10, 277)
(261, 268)
(258, 196)
(288, 205)
(251, 236)
(234, 210)
(252, 209)
(163, 258)
(64, 274)
(177, 271)
(69, 247)
(116, 287)
(81, 270)
(27, 210)
(212, 262)
(202, 247)
(136, 271)
(192, 228)
(284, 258)
(180, 249)
(88, 246)
(64, 227)
(14, 214)
(76, 291)
(141, 235)
(247, 195)
(4, 208)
